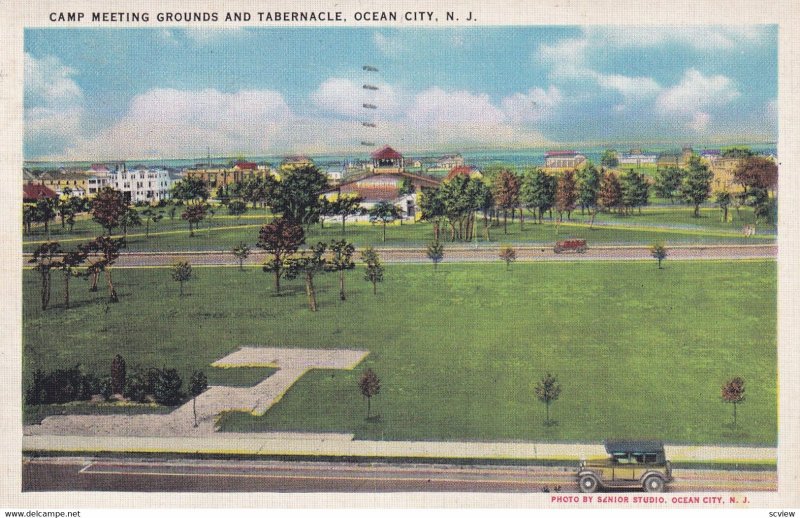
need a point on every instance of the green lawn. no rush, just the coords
(640, 352)
(222, 232)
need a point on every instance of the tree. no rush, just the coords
(45, 213)
(346, 206)
(102, 254)
(588, 180)
(370, 386)
(194, 214)
(547, 390)
(435, 253)
(341, 260)
(506, 193)
(241, 252)
(181, 272)
(610, 195)
(658, 251)
(384, 212)
(237, 208)
(280, 238)
(45, 257)
(167, 387)
(737, 152)
(432, 207)
(308, 264)
(129, 218)
(724, 200)
(757, 172)
(151, 216)
(538, 191)
(635, 191)
(297, 195)
(68, 263)
(198, 383)
(609, 158)
(668, 183)
(118, 375)
(696, 185)
(508, 254)
(29, 217)
(733, 392)
(108, 207)
(190, 190)
(566, 194)
(374, 268)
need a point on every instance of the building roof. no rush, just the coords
(99, 168)
(246, 165)
(561, 153)
(465, 170)
(619, 446)
(386, 153)
(32, 191)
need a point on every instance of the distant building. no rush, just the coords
(637, 159)
(463, 170)
(60, 181)
(142, 184)
(216, 177)
(387, 181)
(31, 193)
(563, 159)
(295, 162)
(387, 160)
(448, 162)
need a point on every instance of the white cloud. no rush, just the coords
(700, 38)
(696, 92)
(175, 123)
(346, 97)
(54, 104)
(391, 46)
(631, 88)
(699, 122)
(534, 106)
(48, 81)
(210, 35)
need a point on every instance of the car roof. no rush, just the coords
(633, 446)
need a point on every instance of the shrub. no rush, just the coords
(167, 387)
(118, 374)
(136, 388)
(105, 388)
(61, 386)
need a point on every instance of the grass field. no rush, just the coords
(671, 223)
(640, 352)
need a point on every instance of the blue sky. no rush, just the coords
(93, 94)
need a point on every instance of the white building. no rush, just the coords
(142, 184)
(637, 159)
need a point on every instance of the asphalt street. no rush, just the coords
(145, 475)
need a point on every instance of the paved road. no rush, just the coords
(474, 254)
(85, 474)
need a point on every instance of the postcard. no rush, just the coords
(400, 255)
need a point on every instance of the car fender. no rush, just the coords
(660, 475)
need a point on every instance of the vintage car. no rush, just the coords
(631, 464)
(570, 245)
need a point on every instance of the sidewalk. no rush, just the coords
(342, 445)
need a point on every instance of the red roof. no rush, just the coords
(560, 153)
(386, 153)
(37, 192)
(465, 170)
(246, 165)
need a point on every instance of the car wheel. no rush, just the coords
(653, 484)
(588, 484)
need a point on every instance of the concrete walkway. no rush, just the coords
(292, 364)
(335, 445)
